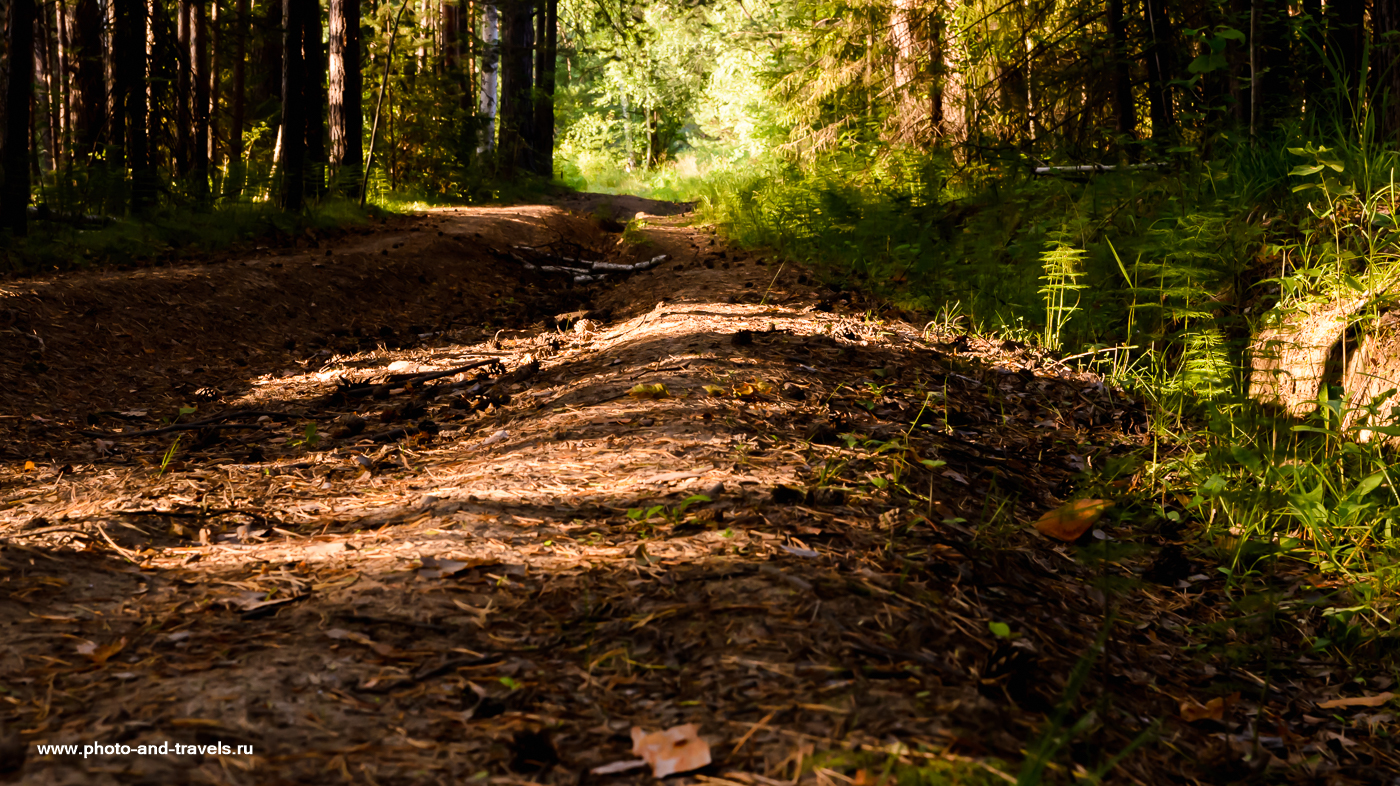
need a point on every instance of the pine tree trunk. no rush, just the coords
(346, 86)
(1346, 39)
(90, 80)
(216, 59)
(292, 162)
(548, 48)
(199, 72)
(63, 77)
(183, 116)
(239, 87)
(14, 189)
(1159, 70)
(116, 91)
(130, 60)
(467, 48)
(1385, 69)
(45, 118)
(314, 54)
(1124, 113)
(517, 87)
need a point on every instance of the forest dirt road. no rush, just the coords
(407, 506)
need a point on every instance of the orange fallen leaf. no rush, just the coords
(1358, 701)
(1192, 711)
(677, 749)
(100, 654)
(28, 465)
(1072, 519)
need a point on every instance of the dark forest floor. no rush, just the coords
(375, 572)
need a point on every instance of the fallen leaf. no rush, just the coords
(1192, 711)
(499, 436)
(28, 465)
(1072, 519)
(677, 749)
(714, 390)
(1357, 701)
(434, 568)
(643, 391)
(100, 655)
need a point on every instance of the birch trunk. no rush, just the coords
(490, 61)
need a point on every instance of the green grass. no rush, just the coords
(1184, 265)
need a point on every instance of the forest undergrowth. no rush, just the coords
(1157, 277)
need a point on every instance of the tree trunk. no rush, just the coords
(490, 65)
(292, 163)
(468, 51)
(1256, 79)
(239, 88)
(269, 71)
(449, 49)
(314, 54)
(517, 107)
(548, 47)
(903, 21)
(92, 90)
(1346, 39)
(1308, 57)
(199, 71)
(1385, 70)
(44, 120)
(130, 65)
(14, 190)
(63, 79)
(1124, 113)
(1159, 70)
(346, 86)
(183, 116)
(216, 59)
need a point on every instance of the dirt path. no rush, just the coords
(706, 492)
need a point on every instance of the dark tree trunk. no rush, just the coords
(1346, 37)
(45, 118)
(183, 117)
(164, 58)
(295, 15)
(1124, 113)
(1385, 69)
(199, 69)
(517, 109)
(130, 68)
(1160, 69)
(346, 86)
(314, 54)
(91, 87)
(14, 190)
(548, 53)
(216, 60)
(449, 50)
(239, 88)
(1308, 55)
(269, 84)
(63, 74)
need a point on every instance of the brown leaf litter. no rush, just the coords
(413, 509)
